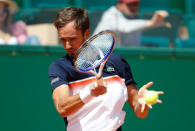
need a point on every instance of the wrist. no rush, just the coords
(85, 95)
(149, 23)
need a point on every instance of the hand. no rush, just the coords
(141, 92)
(98, 90)
(92, 91)
(158, 19)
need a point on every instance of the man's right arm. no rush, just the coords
(64, 103)
(67, 104)
(111, 21)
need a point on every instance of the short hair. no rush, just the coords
(69, 14)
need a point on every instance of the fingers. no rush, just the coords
(98, 87)
(159, 101)
(150, 106)
(143, 107)
(159, 92)
(162, 13)
(98, 90)
(146, 86)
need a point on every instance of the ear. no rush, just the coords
(87, 34)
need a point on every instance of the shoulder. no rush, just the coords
(115, 57)
(61, 62)
(118, 60)
(112, 10)
(56, 62)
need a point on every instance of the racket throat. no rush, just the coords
(100, 81)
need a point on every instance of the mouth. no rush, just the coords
(70, 52)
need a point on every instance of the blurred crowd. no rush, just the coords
(156, 28)
(12, 33)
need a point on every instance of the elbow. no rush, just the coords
(62, 110)
(63, 113)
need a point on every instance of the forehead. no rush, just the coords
(133, 4)
(69, 30)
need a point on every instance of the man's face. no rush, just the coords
(2, 12)
(131, 9)
(72, 38)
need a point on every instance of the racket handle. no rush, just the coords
(100, 81)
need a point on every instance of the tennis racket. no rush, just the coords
(94, 53)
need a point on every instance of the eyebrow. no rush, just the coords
(73, 36)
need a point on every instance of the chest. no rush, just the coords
(75, 75)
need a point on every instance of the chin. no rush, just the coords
(71, 54)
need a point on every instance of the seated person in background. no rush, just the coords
(7, 8)
(123, 20)
(19, 30)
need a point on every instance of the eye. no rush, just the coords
(62, 39)
(72, 39)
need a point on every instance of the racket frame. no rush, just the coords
(101, 63)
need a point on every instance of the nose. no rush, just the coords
(67, 45)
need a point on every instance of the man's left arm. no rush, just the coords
(133, 102)
(136, 99)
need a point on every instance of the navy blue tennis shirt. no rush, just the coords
(62, 71)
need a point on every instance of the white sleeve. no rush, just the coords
(13, 41)
(117, 22)
(128, 26)
(2, 41)
(104, 24)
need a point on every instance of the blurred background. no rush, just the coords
(165, 56)
(181, 16)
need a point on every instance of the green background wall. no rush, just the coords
(26, 97)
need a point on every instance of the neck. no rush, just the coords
(127, 14)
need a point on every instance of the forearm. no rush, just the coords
(67, 104)
(130, 26)
(133, 102)
(121, 25)
(138, 109)
(70, 105)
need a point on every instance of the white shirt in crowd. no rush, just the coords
(128, 30)
(11, 41)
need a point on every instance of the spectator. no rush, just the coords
(123, 19)
(7, 8)
(19, 30)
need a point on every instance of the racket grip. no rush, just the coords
(100, 81)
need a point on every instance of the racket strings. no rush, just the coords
(95, 52)
(88, 57)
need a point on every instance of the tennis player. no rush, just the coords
(84, 105)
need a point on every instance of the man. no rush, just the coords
(7, 8)
(86, 106)
(123, 19)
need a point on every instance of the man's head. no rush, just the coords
(129, 7)
(19, 28)
(10, 4)
(7, 7)
(73, 28)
